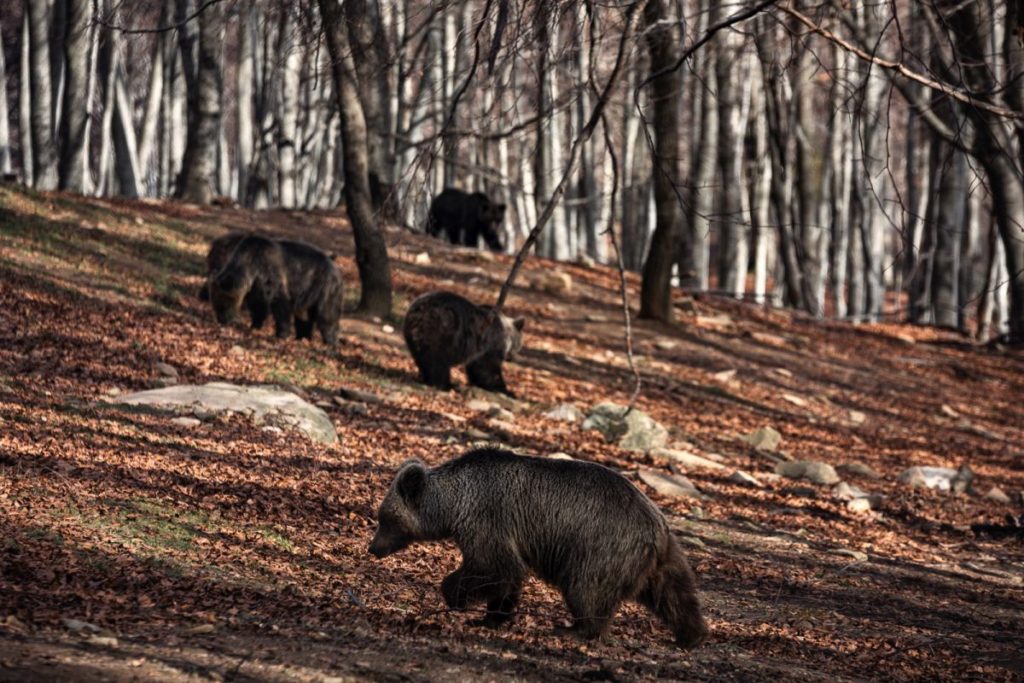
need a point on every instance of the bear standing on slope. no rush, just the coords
(443, 330)
(577, 526)
(465, 218)
(298, 281)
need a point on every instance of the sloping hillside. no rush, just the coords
(225, 551)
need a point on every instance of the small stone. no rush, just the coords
(857, 417)
(997, 495)
(795, 400)
(565, 412)
(501, 425)
(501, 414)
(845, 491)
(79, 626)
(113, 391)
(860, 469)
(166, 370)
(186, 422)
(585, 260)
(665, 344)
(783, 372)
(905, 338)
(817, 472)
(635, 431)
(102, 641)
(477, 434)
(859, 505)
(201, 629)
(855, 554)
(928, 477)
(685, 458)
(949, 411)
(271, 429)
(387, 329)
(457, 419)
(236, 351)
(693, 541)
(725, 376)
(421, 259)
(555, 282)
(716, 321)
(674, 485)
(594, 318)
(480, 406)
(561, 456)
(764, 439)
(743, 479)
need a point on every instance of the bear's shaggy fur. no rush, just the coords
(216, 257)
(297, 280)
(465, 218)
(577, 526)
(443, 330)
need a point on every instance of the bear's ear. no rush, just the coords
(500, 208)
(411, 480)
(519, 323)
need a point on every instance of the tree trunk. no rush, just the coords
(694, 263)
(554, 240)
(371, 251)
(73, 169)
(663, 41)
(195, 180)
(732, 256)
(246, 82)
(289, 51)
(368, 40)
(760, 195)
(151, 109)
(25, 103)
(44, 148)
(5, 130)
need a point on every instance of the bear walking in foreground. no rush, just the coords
(216, 257)
(577, 526)
(466, 217)
(297, 280)
(443, 330)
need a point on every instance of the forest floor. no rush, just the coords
(132, 548)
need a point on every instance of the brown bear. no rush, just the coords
(216, 257)
(297, 280)
(443, 330)
(465, 218)
(577, 526)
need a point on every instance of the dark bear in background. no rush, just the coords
(465, 218)
(297, 280)
(577, 526)
(443, 330)
(216, 257)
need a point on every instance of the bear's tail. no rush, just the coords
(671, 593)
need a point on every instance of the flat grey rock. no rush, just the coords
(764, 439)
(812, 470)
(264, 405)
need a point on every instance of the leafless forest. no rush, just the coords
(860, 161)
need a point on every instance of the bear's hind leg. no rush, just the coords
(282, 311)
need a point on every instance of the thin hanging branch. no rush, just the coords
(570, 167)
(610, 231)
(902, 69)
